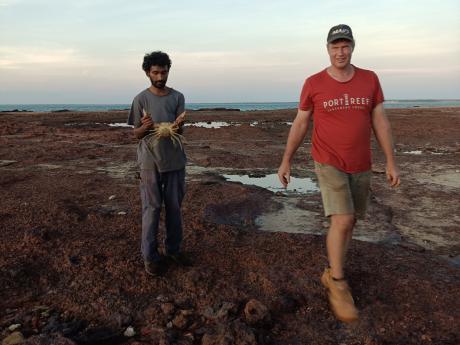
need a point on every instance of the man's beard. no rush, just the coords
(159, 84)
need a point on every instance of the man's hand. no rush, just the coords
(180, 120)
(284, 174)
(296, 137)
(146, 125)
(146, 121)
(392, 173)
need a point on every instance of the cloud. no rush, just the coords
(236, 59)
(17, 58)
(6, 3)
(420, 71)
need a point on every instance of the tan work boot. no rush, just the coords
(340, 298)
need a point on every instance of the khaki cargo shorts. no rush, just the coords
(343, 193)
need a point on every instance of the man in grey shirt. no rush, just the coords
(161, 162)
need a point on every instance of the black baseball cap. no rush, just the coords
(341, 31)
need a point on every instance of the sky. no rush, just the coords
(91, 51)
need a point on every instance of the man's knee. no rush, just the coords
(344, 222)
(151, 208)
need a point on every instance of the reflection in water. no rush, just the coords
(272, 183)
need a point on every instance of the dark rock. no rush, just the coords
(182, 320)
(151, 312)
(52, 325)
(16, 111)
(287, 303)
(255, 312)
(222, 313)
(229, 334)
(217, 109)
(412, 246)
(102, 335)
(257, 175)
(74, 260)
(167, 308)
(123, 319)
(226, 309)
(54, 339)
(36, 234)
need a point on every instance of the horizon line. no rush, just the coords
(233, 102)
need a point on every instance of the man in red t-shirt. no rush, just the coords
(346, 103)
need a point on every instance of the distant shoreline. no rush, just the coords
(58, 111)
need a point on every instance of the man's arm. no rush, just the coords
(296, 136)
(382, 131)
(146, 125)
(139, 118)
(179, 123)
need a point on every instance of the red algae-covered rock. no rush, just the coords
(255, 312)
(235, 332)
(47, 339)
(64, 245)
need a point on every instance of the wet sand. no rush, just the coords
(70, 229)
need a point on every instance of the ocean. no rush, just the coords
(413, 103)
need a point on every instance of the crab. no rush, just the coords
(166, 130)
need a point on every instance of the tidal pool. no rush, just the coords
(416, 152)
(300, 185)
(213, 124)
(120, 124)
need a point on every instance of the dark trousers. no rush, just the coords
(156, 188)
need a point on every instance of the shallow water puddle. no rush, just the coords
(120, 124)
(213, 124)
(4, 163)
(272, 183)
(416, 152)
(435, 151)
(294, 219)
(449, 178)
(290, 219)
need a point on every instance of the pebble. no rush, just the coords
(121, 213)
(14, 327)
(112, 197)
(162, 298)
(129, 332)
(40, 308)
(13, 339)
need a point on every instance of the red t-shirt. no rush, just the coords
(342, 118)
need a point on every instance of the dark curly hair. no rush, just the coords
(157, 58)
